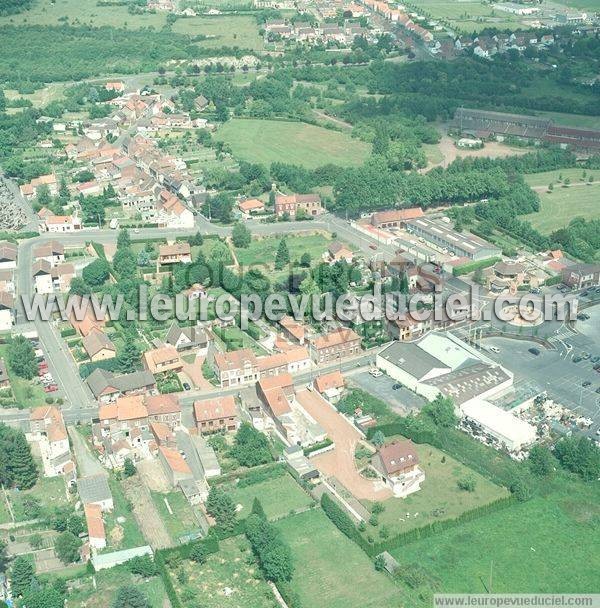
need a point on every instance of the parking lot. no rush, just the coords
(555, 371)
(401, 400)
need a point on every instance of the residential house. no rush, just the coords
(8, 255)
(83, 316)
(175, 253)
(31, 189)
(398, 465)
(337, 252)
(395, 218)
(52, 252)
(251, 206)
(47, 428)
(98, 346)
(580, 276)
(190, 338)
(295, 205)
(161, 360)
(7, 281)
(236, 368)
(106, 386)
(164, 409)
(62, 223)
(335, 345)
(330, 385)
(172, 213)
(163, 435)
(174, 465)
(293, 330)
(213, 415)
(125, 415)
(201, 103)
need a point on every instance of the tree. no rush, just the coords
(541, 460)
(220, 505)
(67, 547)
(46, 597)
(282, 257)
(3, 556)
(196, 240)
(96, 273)
(467, 484)
(129, 468)
(21, 358)
(198, 553)
(128, 358)
(257, 509)
(305, 260)
(378, 438)
(379, 563)
(143, 565)
(22, 575)
(22, 467)
(251, 447)
(124, 239)
(79, 287)
(579, 455)
(129, 597)
(240, 235)
(441, 411)
(277, 563)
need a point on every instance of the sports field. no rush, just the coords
(330, 570)
(268, 141)
(545, 545)
(559, 207)
(278, 497)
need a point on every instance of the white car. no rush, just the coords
(494, 349)
(375, 372)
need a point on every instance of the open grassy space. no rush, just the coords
(278, 497)
(49, 492)
(573, 120)
(577, 176)
(86, 595)
(268, 141)
(330, 570)
(263, 251)
(545, 545)
(25, 393)
(182, 520)
(125, 534)
(563, 204)
(439, 497)
(223, 30)
(234, 567)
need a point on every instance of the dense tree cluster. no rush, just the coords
(251, 447)
(17, 467)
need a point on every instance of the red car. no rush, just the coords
(51, 388)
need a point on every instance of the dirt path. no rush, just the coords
(339, 463)
(146, 514)
(333, 119)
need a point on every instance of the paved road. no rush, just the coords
(87, 464)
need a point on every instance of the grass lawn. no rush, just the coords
(268, 141)
(85, 595)
(233, 566)
(224, 30)
(576, 175)
(433, 154)
(125, 534)
(263, 251)
(522, 542)
(182, 520)
(563, 204)
(439, 497)
(26, 393)
(574, 120)
(50, 492)
(330, 570)
(278, 497)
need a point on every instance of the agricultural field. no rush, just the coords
(262, 252)
(278, 497)
(182, 520)
(233, 568)
(100, 589)
(439, 497)
(518, 545)
(559, 207)
(330, 570)
(268, 141)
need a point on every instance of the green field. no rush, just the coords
(49, 492)
(123, 535)
(26, 394)
(268, 141)
(261, 252)
(278, 497)
(545, 545)
(183, 520)
(563, 204)
(468, 16)
(573, 120)
(577, 176)
(87, 595)
(223, 30)
(233, 566)
(439, 497)
(330, 570)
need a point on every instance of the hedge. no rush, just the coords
(255, 477)
(318, 446)
(340, 518)
(553, 280)
(67, 332)
(86, 369)
(457, 271)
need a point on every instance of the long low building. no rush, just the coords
(441, 236)
(508, 430)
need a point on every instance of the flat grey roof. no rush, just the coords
(412, 359)
(94, 489)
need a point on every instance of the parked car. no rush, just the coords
(585, 356)
(577, 359)
(586, 383)
(494, 349)
(396, 386)
(534, 351)
(375, 372)
(186, 386)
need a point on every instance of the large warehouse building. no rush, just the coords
(439, 235)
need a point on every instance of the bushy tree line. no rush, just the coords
(17, 467)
